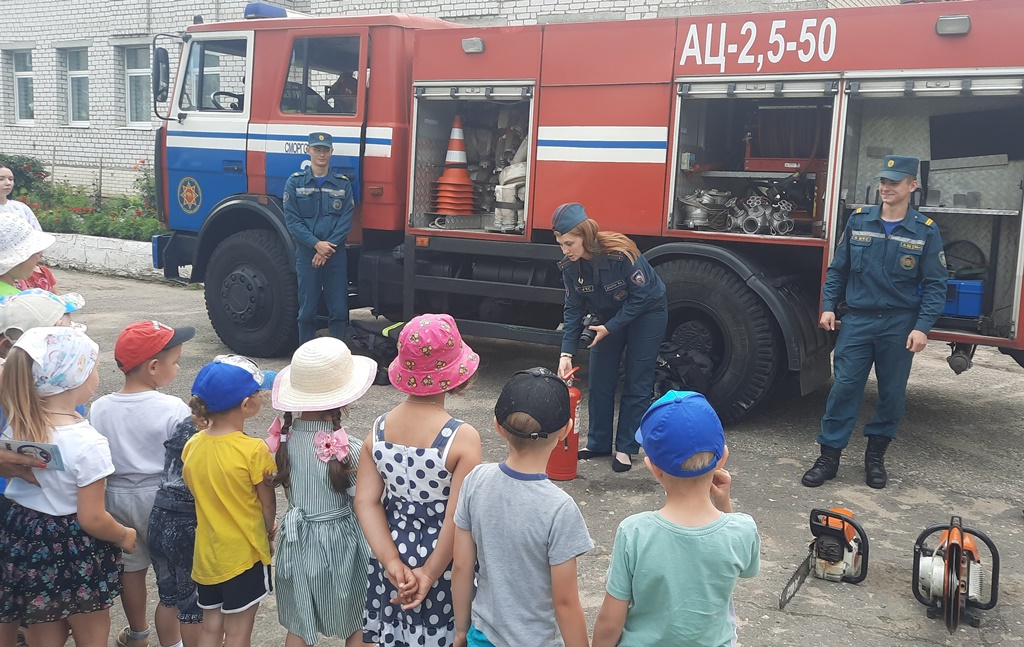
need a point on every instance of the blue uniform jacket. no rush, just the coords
(314, 213)
(621, 291)
(875, 272)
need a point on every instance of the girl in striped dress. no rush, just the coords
(321, 553)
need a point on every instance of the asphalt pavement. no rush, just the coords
(958, 452)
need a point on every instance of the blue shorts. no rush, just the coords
(172, 539)
(476, 638)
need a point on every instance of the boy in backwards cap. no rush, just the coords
(673, 572)
(524, 532)
(137, 421)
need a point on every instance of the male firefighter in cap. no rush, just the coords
(318, 207)
(885, 254)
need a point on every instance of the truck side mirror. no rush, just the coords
(161, 75)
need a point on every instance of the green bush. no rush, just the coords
(68, 209)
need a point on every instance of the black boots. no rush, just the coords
(825, 468)
(874, 463)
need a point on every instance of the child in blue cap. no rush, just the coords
(673, 571)
(227, 472)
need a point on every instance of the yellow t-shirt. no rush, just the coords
(222, 472)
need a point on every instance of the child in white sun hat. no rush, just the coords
(21, 248)
(321, 553)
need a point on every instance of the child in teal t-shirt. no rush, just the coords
(673, 571)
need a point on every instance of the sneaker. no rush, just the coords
(124, 641)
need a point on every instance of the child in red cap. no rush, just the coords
(136, 421)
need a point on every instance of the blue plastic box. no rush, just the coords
(963, 298)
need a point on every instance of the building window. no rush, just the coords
(137, 79)
(24, 97)
(78, 87)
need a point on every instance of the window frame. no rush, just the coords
(77, 74)
(129, 73)
(363, 33)
(30, 75)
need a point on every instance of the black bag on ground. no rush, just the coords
(681, 370)
(378, 341)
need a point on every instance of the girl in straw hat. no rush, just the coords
(62, 549)
(410, 474)
(321, 553)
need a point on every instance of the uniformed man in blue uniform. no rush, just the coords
(885, 256)
(318, 206)
(606, 275)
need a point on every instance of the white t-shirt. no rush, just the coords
(22, 210)
(86, 456)
(136, 425)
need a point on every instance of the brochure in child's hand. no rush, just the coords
(45, 452)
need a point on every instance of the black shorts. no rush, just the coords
(239, 593)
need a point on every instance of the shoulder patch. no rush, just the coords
(638, 277)
(859, 210)
(616, 255)
(929, 222)
(562, 264)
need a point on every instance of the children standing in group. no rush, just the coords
(673, 572)
(320, 570)
(136, 420)
(62, 565)
(410, 471)
(229, 474)
(523, 531)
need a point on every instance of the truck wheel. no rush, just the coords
(251, 294)
(713, 312)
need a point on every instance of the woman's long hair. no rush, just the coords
(20, 401)
(597, 242)
(340, 473)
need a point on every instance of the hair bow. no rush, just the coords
(274, 437)
(331, 445)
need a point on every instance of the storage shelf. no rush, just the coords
(795, 241)
(961, 211)
(764, 175)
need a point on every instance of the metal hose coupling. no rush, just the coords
(756, 221)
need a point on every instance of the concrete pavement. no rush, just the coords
(958, 452)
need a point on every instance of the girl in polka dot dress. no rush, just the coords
(410, 471)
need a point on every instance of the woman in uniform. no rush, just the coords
(606, 276)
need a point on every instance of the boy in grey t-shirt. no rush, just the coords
(524, 532)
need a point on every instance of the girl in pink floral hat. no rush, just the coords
(410, 471)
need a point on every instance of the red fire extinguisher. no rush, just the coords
(562, 466)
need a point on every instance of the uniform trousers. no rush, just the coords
(866, 339)
(641, 340)
(331, 280)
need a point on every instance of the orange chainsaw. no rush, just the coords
(839, 552)
(949, 578)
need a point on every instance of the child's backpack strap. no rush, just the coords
(378, 427)
(443, 441)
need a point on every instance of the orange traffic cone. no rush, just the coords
(454, 190)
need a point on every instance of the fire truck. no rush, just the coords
(730, 148)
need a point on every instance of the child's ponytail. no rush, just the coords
(20, 401)
(284, 464)
(200, 412)
(342, 474)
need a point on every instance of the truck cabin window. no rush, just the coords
(323, 76)
(215, 76)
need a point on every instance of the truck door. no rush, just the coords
(206, 144)
(324, 89)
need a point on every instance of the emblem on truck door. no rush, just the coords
(189, 195)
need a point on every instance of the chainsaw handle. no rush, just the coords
(820, 526)
(915, 577)
(915, 581)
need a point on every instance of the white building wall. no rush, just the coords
(106, 154)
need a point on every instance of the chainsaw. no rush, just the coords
(949, 578)
(839, 552)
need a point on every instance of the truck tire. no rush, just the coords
(715, 313)
(251, 294)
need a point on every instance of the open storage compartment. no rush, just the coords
(751, 156)
(487, 190)
(969, 135)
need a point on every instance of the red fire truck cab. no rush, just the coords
(730, 148)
